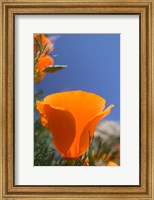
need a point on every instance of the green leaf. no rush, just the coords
(35, 61)
(53, 68)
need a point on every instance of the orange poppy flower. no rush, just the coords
(43, 62)
(72, 118)
(110, 163)
(46, 43)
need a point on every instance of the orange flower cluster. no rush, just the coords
(42, 46)
(72, 118)
(42, 63)
(110, 163)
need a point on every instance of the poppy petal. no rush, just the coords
(61, 124)
(83, 105)
(88, 132)
(43, 117)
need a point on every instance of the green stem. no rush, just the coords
(70, 162)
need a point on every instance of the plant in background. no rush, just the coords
(43, 63)
(106, 144)
(42, 45)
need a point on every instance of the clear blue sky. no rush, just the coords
(93, 62)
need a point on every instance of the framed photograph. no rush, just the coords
(76, 99)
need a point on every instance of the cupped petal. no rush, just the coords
(74, 100)
(61, 124)
(88, 132)
(83, 105)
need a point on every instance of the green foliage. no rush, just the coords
(42, 141)
(53, 68)
(42, 149)
(50, 69)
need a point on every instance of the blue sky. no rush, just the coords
(93, 62)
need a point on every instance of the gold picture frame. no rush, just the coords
(145, 10)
